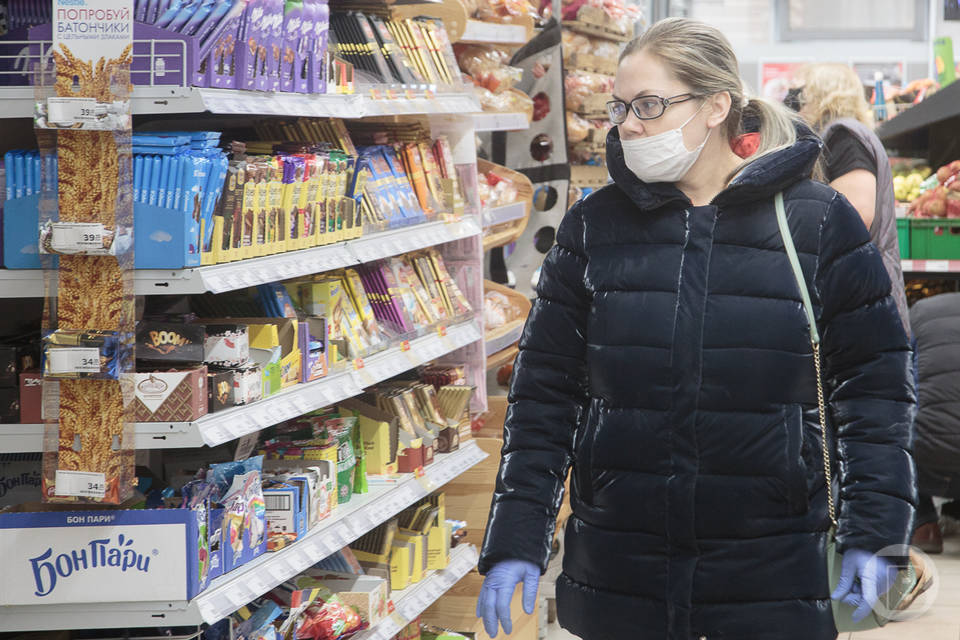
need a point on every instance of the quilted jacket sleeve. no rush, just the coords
(868, 375)
(547, 396)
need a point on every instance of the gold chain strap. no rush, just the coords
(828, 476)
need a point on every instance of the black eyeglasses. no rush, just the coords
(648, 107)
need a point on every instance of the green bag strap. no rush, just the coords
(795, 265)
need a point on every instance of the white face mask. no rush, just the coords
(663, 157)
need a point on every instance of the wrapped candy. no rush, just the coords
(328, 621)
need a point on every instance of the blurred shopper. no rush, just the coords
(936, 326)
(831, 98)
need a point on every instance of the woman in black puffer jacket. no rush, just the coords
(667, 359)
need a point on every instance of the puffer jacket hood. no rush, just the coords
(762, 178)
(666, 365)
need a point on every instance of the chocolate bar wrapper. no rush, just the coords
(170, 342)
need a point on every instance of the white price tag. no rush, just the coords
(70, 110)
(279, 572)
(302, 404)
(81, 483)
(215, 284)
(73, 360)
(315, 552)
(232, 282)
(257, 583)
(72, 237)
(209, 612)
(214, 435)
(238, 596)
(938, 266)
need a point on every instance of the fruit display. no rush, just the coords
(943, 200)
(908, 181)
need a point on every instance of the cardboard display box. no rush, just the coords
(172, 396)
(102, 556)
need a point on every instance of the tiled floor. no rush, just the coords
(940, 622)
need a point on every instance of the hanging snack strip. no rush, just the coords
(86, 244)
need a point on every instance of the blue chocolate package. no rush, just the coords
(137, 177)
(156, 163)
(201, 14)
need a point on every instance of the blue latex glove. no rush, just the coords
(493, 605)
(864, 577)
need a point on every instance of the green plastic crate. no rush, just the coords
(903, 237)
(935, 239)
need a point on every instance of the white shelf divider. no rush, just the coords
(504, 213)
(231, 591)
(229, 424)
(478, 31)
(19, 103)
(490, 121)
(230, 276)
(415, 599)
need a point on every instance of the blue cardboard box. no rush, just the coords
(103, 556)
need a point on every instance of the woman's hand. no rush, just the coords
(493, 605)
(864, 577)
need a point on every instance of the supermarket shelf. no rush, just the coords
(505, 213)
(503, 338)
(946, 267)
(218, 278)
(229, 592)
(597, 31)
(415, 599)
(19, 103)
(223, 426)
(940, 106)
(490, 121)
(481, 32)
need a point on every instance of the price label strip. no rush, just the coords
(66, 360)
(83, 484)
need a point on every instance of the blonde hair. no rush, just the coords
(701, 57)
(832, 91)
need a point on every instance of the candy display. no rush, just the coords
(291, 190)
(385, 51)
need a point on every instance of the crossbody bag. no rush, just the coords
(906, 578)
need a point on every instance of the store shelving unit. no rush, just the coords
(932, 268)
(415, 599)
(227, 425)
(231, 591)
(19, 102)
(230, 276)
(456, 114)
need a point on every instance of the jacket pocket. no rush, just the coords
(795, 469)
(583, 458)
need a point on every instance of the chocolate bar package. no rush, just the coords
(31, 397)
(170, 396)
(220, 391)
(170, 342)
(226, 345)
